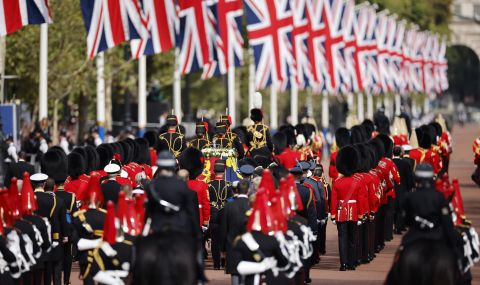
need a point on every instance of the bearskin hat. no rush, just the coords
(356, 135)
(152, 138)
(127, 151)
(289, 132)
(373, 156)
(105, 154)
(191, 159)
(76, 165)
(143, 151)
(256, 115)
(364, 157)
(369, 127)
(432, 132)
(280, 142)
(309, 129)
(342, 137)
(382, 123)
(387, 143)
(348, 160)
(301, 130)
(55, 165)
(93, 161)
(379, 148)
(423, 136)
(438, 128)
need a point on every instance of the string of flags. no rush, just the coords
(332, 46)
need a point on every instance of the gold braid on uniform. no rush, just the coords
(171, 144)
(220, 195)
(259, 138)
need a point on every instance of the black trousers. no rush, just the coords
(322, 238)
(371, 238)
(399, 221)
(358, 244)
(215, 238)
(67, 262)
(365, 237)
(389, 213)
(53, 271)
(380, 227)
(346, 242)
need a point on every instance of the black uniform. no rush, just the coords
(229, 140)
(110, 189)
(44, 245)
(308, 212)
(405, 169)
(322, 214)
(9, 257)
(88, 224)
(259, 139)
(268, 246)
(232, 225)
(27, 234)
(16, 170)
(219, 191)
(199, 143)
(174, 142)
(51, 207)
(71, 207)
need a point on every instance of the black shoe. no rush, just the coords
(308, 280)
(366, 260)
(351, 267)
(343, 267)
(216, 268)
(378, 249)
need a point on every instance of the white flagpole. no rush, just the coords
(231, 95)
(177, 87)
(43, 78)
(350, 103)
(369, 106)
(251, 80)
(273, 107)
(294, 103)
(360, 108)
(325, 110)
(142, 94)
(101, 94)
(398, 104)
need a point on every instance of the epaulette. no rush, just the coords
(236, 239)
(79, 212)
(102, 210)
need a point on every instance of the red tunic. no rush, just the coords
(346, 201)
(332, 169)
(153, 156)
(374, 191)
(201, 188)
(78, 186)
(288, 158)
(421, 155)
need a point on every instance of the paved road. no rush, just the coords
(326, 272)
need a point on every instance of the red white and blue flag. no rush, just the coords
(162, 20)
(396, 59)
(269, 26)
(111, 22)
(225, 32)
(14, 14)
(428, 64)
(355, 27)
(193, 37)
(302, 69)
(382, 34)
(417, 62)
(441, 67)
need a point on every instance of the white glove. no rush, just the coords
(204, 229)
(334, 222)
(87, 244)
(359, 223)
(249, 268)
(105, 277)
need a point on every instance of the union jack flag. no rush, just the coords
(407, 68)
(363, 47)
(225, 25)
(441, 67)
(14, 14)
(162, 21)
(372, 82)
(396, 59)
(111, 22)
(390, 48)
(300, 34)
(318, 33)
(416, 70)
(382, 34)
(193, 37)
(334, 46)
(269, 26)
(428, 64)
(352, 26)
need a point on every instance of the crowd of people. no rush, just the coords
(152, 209)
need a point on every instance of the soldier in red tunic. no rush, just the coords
(346, 205)
(424, 153)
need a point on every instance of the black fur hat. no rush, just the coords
(191, 159)
(152, 138)
(105, 154)
(382, 123)
(342, 137)
(76, 165)
(432, 132)
(134, 148)
(348, 161)
(117, 148)
(369, 127)
(365, 157)
(438, 128)
(301, 130)
(387, 144)
(379, 149)
(143, 151)
(280, 142)
(55, 165)
(423, 136)
(289, 132)
(357, 135)
(127, 151)
(256, 115)
(309, 130)
(93, 161)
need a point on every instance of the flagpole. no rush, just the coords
(360, 108)
(273, 107)
(177, 87)
(101, 94)
(369, 106)
(43, 77)
(142, 94)
(294, 103)
(398, 105)
(350, 103)
(251, 80)
(325, 111)
(232, 111)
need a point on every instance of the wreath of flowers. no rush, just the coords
(219, 152)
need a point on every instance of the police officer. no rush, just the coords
(258, 135)
(172, 140)
(219, 191)
(201, 140)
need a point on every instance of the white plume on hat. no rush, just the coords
(257, 100)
